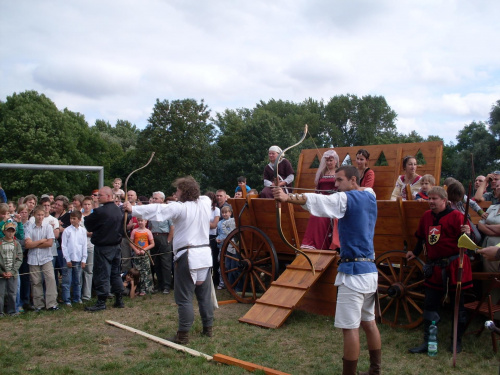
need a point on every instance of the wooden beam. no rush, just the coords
(161, 341)
(221, 358)
(227, 302)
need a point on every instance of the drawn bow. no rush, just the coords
(125, 216)
(278, 203)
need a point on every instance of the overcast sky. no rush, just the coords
(436, 62)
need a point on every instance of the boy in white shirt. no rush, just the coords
(74, 248)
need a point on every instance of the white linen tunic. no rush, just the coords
(192, 225)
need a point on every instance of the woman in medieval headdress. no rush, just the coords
(321, 232)
(285, 173)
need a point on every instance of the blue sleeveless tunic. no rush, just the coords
(356, 230)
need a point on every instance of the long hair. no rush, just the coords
(456, 192)
(190, 189)
(135, 275)
(211, 195)
(322, 165)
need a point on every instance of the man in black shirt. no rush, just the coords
(105, 223)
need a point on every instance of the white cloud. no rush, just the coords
(435, 61)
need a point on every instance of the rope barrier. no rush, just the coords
(91, 264)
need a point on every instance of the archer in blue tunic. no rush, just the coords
(357, 277)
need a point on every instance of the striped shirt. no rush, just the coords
(40, 256)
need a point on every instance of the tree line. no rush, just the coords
(215, 149)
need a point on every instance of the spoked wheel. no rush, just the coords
(401, 289)
(248, 263)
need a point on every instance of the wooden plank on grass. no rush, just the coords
(159, 340)
(246, 365)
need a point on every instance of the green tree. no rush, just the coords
(34, 131)
(472, 139)
(352, 121)
(245, 136)
(183, 139)
(123, 133)
(494, 123)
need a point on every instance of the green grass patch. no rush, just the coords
(72, 341)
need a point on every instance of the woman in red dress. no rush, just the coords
(321, 232)
(366, 175)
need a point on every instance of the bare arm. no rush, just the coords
(213, 224)
(489, 229)
(490, 253)
(43, 243)
(478, 197)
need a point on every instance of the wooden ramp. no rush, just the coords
(296, 288)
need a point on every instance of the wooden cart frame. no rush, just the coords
(259, 256)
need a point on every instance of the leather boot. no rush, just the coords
(423, 347)
(375, 363)
(349, 367)
(181, 337)
(207, 331)
(99, 305)
(118, 301)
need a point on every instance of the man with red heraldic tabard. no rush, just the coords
(439, 230)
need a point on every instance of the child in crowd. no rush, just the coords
(143, 240)
(87, 271)
(74, 248)
(242, 184)
(11, 257)
(117, 191)
(118, 200)
(253, 192)
(427, 181)
(12, 207)
(238, 194)
(231, 265)
(5, 216)
(38, 241)
(130, 282)
(24, 300)
(223, 229)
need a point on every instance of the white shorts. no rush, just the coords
(353, 307)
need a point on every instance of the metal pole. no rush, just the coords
(53, 167)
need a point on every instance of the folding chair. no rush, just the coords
(487, 308)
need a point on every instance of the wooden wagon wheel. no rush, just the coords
(248, 263)
(400, 288)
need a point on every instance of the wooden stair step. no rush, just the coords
(282, 304)
(286, 284)
(285, 294)
(304, 268)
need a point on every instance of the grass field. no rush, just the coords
(72, 341)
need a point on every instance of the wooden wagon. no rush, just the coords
(262, 256)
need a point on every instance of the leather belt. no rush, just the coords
(349, 260)
(191, 247)
(160, 234)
